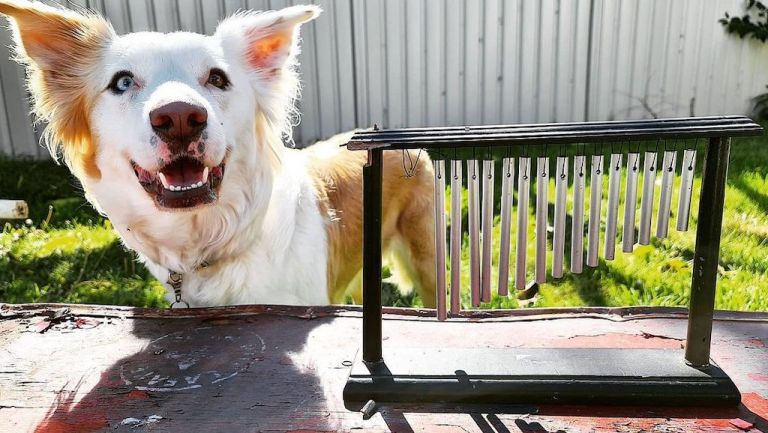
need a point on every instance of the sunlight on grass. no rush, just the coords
(77, 257)
(78, 263)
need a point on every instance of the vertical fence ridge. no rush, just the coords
(401, 63)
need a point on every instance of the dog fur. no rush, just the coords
(285, 225)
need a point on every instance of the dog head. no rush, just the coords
(151, 121)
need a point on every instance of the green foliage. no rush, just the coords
(760, 107)
(753, 24)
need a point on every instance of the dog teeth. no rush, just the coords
(184, 188)
(163, 180)
(205, 176)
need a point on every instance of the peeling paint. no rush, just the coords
(755, 403)
(758, 377)
(618, 340)
(282, 372)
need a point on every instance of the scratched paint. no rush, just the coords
(183, 360)
(279, 372)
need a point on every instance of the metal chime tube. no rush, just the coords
(686, 189)
(542, 190)
(595, 203)
(561, 202)
(577, 225)
(473, 184)
(665, 199)
(487, 230)
(440, 236)
(456, 191)
(507, 189)
(614, 183)
(646, 201)
(630, 202)
(523, 190)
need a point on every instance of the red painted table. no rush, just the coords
(68, 368)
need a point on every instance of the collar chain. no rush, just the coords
(175, 280)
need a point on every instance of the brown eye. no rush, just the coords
(217, 78)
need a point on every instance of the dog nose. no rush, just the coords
(178, 121)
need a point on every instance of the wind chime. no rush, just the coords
(481, 205)
(641, 158)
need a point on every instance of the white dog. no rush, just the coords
(177, 138)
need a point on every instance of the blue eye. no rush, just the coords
(124, 83)
(121, 82)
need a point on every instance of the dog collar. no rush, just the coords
(176, 279)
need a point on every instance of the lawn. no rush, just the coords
(69, 253)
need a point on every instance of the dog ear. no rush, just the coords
(266, 45)
(266, 41)
(60, 49)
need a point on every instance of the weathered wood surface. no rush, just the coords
(247, 369)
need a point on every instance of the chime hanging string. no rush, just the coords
(410, 172)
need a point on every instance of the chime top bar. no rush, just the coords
(561, 133)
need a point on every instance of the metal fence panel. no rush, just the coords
(449, 62)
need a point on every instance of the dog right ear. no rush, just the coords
(266, 41)
(61, 50)
(266, 44)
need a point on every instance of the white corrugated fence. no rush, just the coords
(451, 62)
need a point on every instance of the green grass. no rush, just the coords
(70, 254)
(66, 252)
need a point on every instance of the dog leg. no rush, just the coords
(419, 239)
(416, 239)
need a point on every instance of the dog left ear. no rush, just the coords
(266, 41)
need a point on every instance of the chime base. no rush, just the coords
(648, 377)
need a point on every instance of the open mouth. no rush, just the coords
(181, 184)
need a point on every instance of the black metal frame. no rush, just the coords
(662, 381)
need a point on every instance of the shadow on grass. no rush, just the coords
(588, 283)
(44, 184)
(759, 198)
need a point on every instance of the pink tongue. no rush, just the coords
(183, 173)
